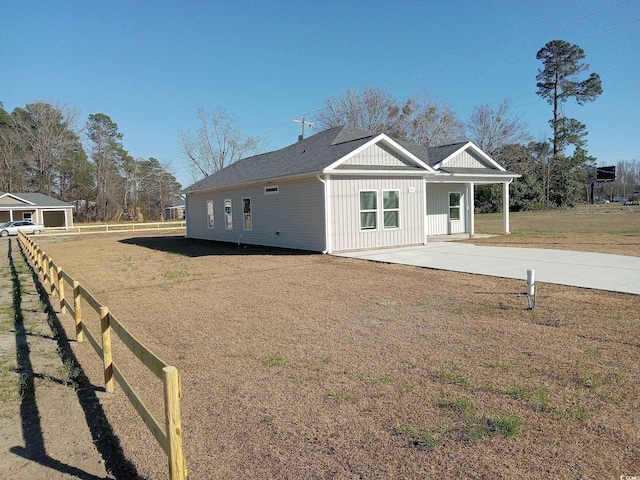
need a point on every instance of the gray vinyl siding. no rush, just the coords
(377, 155)
(345, 213)
(438, 209)
(296, 213)
(466, 159)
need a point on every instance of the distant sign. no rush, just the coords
(606, 174)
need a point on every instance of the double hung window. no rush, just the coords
(391, 208)
(368, 210)
(210, 213)
(454, 205)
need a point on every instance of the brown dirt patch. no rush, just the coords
(308, 366)
(51, 422)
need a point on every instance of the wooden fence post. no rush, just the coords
(77, 310)
(63, 309)
(106, 349)
(53, 275)
(172, 394)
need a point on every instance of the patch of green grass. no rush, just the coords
(425, 440)
(539, 399)
(577, 411)
(507, 426)
(274, 361)
(518, 392)
(476, 429)
(458, 404)
(407, 386)
(503, 366)
(450, 373)
(337, 396)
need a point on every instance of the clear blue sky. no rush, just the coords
(149, 65)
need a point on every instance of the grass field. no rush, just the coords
(301, 365)
(612, 228)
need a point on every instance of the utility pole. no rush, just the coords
(303, 122)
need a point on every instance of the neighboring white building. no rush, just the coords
(36, 207)
(344, 189)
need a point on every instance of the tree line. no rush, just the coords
(554, 169)
(42, 150)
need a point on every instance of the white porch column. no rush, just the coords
(505, 207)
(472, 210)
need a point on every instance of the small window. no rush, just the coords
(228, 215)
(209, 213)
(271, 190)
(368, 210)
(391, 208)
(454, 205)
(246, 210)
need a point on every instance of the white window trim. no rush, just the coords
(244, 215)
(271, 189)
(459, 206)
(376, 210)
(390, 209)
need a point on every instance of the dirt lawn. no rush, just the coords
(308, 366)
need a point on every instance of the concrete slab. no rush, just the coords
(615, 273)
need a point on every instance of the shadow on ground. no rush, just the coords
(101, 432)
(190, 247)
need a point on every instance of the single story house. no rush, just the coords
(36, 207)
(344, 189)
(175, 211)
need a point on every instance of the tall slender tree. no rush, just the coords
(558, 82)
(106, 152)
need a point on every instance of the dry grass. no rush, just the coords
(590, 228)
(309, 366)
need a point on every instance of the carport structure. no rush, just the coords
(35, 207)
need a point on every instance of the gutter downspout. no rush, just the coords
(327, 213)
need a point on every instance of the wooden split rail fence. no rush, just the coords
(170, 436)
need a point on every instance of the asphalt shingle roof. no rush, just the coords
(38, 199)
(310, 155)
(314, 154)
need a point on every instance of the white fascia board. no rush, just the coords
(388, 141)
(475, 148)
(479, 178)
(379, 173)
(15, 197)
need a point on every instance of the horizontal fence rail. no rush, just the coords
(114, 228)
(169, 435)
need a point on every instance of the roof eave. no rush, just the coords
(261, 181)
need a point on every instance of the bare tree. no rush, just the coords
(491, 129)
(421, 119)
(48, 134)
(430, 122)
(215, 144)
(372, 109)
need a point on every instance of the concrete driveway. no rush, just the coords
(615, 273)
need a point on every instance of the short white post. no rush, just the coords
(531, 288)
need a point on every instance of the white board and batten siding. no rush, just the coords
(466, 159)
(438, 222)
(291, 218)
(346, 233)
(377, 155)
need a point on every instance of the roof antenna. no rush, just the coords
(303, 122)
